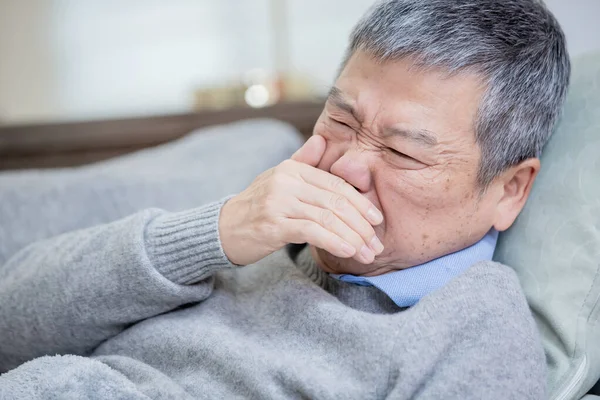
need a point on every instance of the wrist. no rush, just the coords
(185, 246)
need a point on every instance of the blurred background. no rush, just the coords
(69, 60)
(83, 81)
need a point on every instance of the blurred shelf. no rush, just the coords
(75, 143)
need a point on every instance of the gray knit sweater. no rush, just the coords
(148, 307)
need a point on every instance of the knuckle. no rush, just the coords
(327, 218)
(270, 201)
(338, 203)
(286, 165)
(277, 180)
(336, 183)
(265, 229)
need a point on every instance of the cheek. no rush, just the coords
(435, 191)
(412, 193)
(419, 208)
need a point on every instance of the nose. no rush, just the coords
(353, 167)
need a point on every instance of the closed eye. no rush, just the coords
(397, 153)
(345, 125)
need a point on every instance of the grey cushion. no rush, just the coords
(554, 245)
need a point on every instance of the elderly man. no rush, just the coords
(426, 148)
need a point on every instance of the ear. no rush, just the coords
(517, 182)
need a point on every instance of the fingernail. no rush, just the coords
(348, 250)
(367, 255)
(375, 216)
(376, 245)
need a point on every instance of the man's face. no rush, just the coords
(405, 139)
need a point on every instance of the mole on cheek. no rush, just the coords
(427, 209)
(467, 198)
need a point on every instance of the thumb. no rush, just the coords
(312, 151)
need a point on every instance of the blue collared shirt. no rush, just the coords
(406, 287)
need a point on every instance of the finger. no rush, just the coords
(331, 222)
(311, 152)
(341, 207)
(335, 184)
(307, 231)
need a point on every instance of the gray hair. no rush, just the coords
(516, 46)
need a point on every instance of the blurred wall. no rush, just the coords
(27, 72)
(80, 59)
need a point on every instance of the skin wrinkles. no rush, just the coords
(371, 141)
(428, 195)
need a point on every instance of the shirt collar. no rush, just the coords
(406, 287)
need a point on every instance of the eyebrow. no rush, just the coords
(421, 136)
(336, 96)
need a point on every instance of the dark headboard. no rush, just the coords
(77, 143)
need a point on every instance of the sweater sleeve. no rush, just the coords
(75, 377)
(70, 293)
